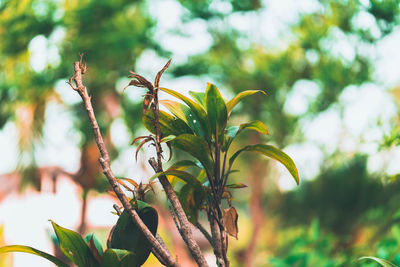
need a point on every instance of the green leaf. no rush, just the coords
(168, 124)
(33, 251)
(196, 147)
(126, 235)
(382, 262)
(74, 247)
(168, 138)
(118, 258)
(184, 176)
(191, 198)
(96, 242)
(184, 113)
(233, 131)
(271, 152)
(199, 98)
(234, 101)
(216, 110)
(197, 109)
(183, 164)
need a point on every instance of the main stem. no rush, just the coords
(105, 164)
(184, 229)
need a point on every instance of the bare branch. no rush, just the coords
(104, 160)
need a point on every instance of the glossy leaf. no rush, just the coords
(118, 258)
(196, 147)
(184, 113)
(271, 152)
(199, 97)
(197, 109)
(126, 235)
(168, 124)
(94, 246)
(234, 101)
(74, 247)
(382, 262)
(216, 110)
(33, 251)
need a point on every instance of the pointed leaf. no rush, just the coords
(233, 131)
(33, 251)
(234, 101)
(216, 110)
(271, 152)
(231, 222)
(126, 235)
(198, 110)
(199, 97)
(237, 185)
(96, 242)
(184, 113)
(118, 258)
(168, 138)
(382, 262)
(183, 164)
(168, 124)
(196, 147)
(182, 175)
(74, 247)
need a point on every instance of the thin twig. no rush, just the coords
(104, 160)
(205, 233)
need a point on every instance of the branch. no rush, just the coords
(104, 160)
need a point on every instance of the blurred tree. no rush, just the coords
(316, 48)
(112, 34)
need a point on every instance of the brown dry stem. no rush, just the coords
(165, 256)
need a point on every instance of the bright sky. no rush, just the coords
(25, 217)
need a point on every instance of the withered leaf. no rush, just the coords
(231, 218)
(159, 74)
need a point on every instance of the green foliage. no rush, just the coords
(127, 236)
(382, 262)
(127, 244)
(210, 144)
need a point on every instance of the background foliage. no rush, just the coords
(306, 60)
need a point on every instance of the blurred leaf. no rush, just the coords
(118, 258)
(236, 185)
(231, 221)
(74, 247)
(234, 101)
(382, 262)
(196, 147)
(33, 251)
(271, 152)
(128, 236)
(216, 111)
(191, 198)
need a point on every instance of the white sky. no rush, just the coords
(360, 106)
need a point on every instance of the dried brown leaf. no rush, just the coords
(125, 186)
(132, 182)
(160, 73)
(142, 81)
(231, 221)
(138, 138)
(142, 144)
